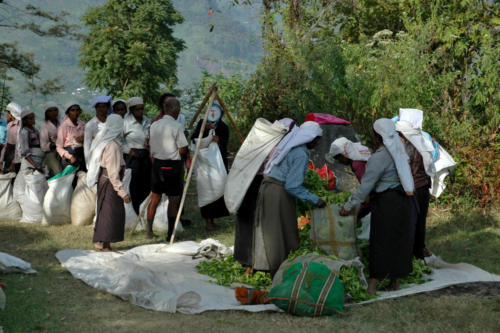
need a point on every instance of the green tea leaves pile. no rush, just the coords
(228, 271)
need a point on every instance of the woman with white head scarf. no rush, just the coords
(275, 229)
(420, 150)
(120, 107)
(48, 138)
(243, 230)
(353, 154)
(106, 166)
(9, 157)
(28, 142)
(388, 175)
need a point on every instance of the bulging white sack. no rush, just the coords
(160, 222)
(211, 175)
(83, 202)
(9, 207)
(443, 165)
(19, 188)
(34, 193)
(261, 140)
(130, 215)
(57, 201)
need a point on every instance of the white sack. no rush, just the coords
(160, 223)
(211, 175)
(261, 140)
(11, 264)
(130, 215)
(36, 187)
(9, 207)
(19, 188)
(57, 201)
(443, 166)
(83, 202)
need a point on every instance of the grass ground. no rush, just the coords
(53, 301)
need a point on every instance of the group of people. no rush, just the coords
(394, 180)
(394, 187)
(120, 136)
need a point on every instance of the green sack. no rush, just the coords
(309, 289)
(69, 169)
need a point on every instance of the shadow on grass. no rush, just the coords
(467, 237)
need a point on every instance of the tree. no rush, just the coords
(130, 49)
(15, 15)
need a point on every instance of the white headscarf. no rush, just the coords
(392, 142)
(70, 104)
(307, 132)
(26, 111)
(352, 150)
(14, 109)
(51, 104)
(112, 129)
(421, 142)
(133, 101)
(414, 116)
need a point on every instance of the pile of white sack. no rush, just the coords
(31, 198)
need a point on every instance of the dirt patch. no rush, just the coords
(479, 289)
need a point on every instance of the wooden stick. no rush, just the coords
(196, 151)
(202, 105)
(148, 200)
(226, 113)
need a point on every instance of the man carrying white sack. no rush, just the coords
(275, 228)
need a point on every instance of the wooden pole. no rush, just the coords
(205, 99)
(196, 151)
(148, 200)
(223, 106)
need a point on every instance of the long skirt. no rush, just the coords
(390, 235)
(422, 197)
(275, 226)
(110, 221)
(243, 237)
(215, 209)
(9, 158)
(140, 184)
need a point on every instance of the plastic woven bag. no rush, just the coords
(333, 233)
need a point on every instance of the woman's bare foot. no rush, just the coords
(210, 225)
(99, 246)
(249, 270)
(372, 287)
(427, 252)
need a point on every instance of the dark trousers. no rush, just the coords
(422, 197)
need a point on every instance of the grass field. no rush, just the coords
(53, 301)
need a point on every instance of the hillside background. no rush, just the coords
(233, 46)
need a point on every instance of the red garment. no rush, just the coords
(325, 118)
(359, 168)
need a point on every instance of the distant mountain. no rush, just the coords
(233, 45)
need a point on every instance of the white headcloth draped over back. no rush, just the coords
(387, 130)
(421, 142)
(307, 132)
(414, 116)
(113, 128)
(352, 150)
(14, 109)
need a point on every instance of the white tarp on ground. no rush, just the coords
(164, 278)
(11, 264)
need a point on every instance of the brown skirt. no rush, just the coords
(110, 222)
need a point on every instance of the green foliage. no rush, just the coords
(228, 271)
(366, 59)
(130, 49)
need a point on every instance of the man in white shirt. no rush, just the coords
(167, 142)
(102, 105)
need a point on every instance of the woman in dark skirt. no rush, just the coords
(389, 176)
(218, 208)
(106, 166)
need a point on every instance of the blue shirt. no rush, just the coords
(292, 171)
(3, 131)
